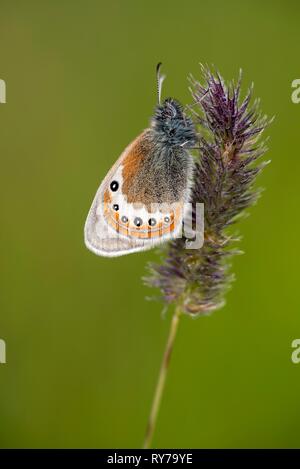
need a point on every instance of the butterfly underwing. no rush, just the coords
(141, 201)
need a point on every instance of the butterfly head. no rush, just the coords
(171, 126)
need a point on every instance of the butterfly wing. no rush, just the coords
(138, 204)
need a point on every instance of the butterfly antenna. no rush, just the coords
(159, 79)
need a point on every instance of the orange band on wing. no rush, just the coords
(144, 231)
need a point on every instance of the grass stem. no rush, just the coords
(161, 379)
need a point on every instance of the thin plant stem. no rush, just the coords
(161, 379)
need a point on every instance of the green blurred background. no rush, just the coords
(83, 345)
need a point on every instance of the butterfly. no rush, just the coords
(141, 201)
